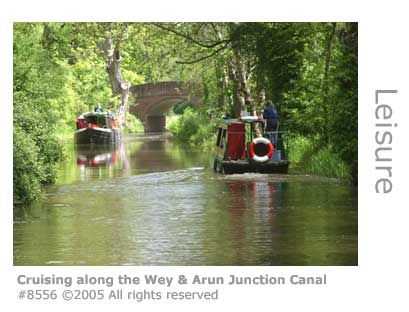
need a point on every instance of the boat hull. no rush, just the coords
(243, 166)
(97, 136)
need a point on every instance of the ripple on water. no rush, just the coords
(187, 217)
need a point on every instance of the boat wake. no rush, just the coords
(166, 176)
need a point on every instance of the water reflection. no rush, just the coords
(91, 155)
(250, 207)
(93, 159)
(153, 203)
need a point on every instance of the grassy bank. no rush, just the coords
(311, 157)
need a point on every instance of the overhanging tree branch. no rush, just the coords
(190, 38)
(203, 57)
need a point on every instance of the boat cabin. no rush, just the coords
(96, 120)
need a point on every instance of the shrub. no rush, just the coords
(27, 171)
(33, 164)
(133, 124)
(180, 108)
(192, 127)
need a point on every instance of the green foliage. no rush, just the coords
(133, 124)
(277, 52)
(193, 128)
(132, 77)
(309, 156)
(328, 164)
(186, 126)
(179, 108)
(88, 85)
(300, 148)
(35, 148)
(28, 171)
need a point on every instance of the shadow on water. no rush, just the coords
(149, 202)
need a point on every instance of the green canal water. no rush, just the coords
(151, 202)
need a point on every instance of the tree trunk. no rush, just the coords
(119, 86)
(124, 103)
(242, 79)
(222, 84)
(113, 67)
(261, 98)
(325, 85)
(235, 90)
(242, 102)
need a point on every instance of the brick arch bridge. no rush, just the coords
(151, 101)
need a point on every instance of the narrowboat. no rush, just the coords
(97, 128)
(242, 146)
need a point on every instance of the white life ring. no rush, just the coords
(261, 158)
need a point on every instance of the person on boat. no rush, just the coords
(270, 114)
(258, 131)
(81, 123)
(98, 108)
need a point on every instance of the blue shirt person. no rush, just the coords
(98, 108)
(270, 114)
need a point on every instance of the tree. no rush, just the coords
(35, 147)
(111, 48)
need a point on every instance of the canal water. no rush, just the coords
(152, 202)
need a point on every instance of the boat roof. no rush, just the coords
(243, 120)
(105, 114)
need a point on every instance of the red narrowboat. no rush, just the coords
(97, 128)
(242, 146)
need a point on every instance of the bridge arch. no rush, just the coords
(151, 101)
